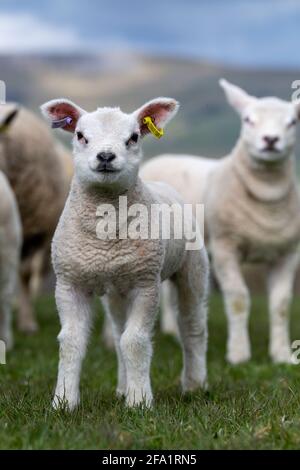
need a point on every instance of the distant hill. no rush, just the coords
(205, 124)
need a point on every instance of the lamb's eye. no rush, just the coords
(81, 137)
(248, 120)
(132, 139)
(292, 123)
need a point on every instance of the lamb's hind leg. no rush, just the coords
(169, 309)
(116, 310)
(281, 280)
(26, 318)
(31, 276)
(192, 287)
(107, 331)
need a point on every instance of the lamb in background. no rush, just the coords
(10, 245)
(128, 272)
(39, 170)
(252, 210)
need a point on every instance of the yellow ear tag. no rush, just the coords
(158, 133)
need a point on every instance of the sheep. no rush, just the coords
(252, 212)
(39, 170)
(125, 271)
(10, 245)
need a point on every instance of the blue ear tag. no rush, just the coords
(61, 122)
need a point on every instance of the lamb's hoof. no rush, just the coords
(138, 398)
(282, 357)
(192, 385)
(121, 392)
(29, 328)
(61, 403)
(238, 357)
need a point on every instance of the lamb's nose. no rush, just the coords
(106, 156)
(271, 140)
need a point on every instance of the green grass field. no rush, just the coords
(254, 406)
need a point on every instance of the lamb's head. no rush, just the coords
(8, 113)
(268, 124)
(107, 142)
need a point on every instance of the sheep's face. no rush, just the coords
(268, 124)
(269, 129)
(107, 147)
(107, 142)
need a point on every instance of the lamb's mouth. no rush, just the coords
(103, 168)
(270, 150)
(267, 155)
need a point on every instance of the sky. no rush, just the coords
(258, 33)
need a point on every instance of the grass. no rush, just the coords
(254, 406)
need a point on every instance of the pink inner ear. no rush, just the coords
(158, 112)
(62, 110)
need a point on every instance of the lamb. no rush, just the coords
(252, 209)
(125, 271)
(10, 245)
(39, 170)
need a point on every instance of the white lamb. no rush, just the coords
(107, 153)
(10, 245)
(252, 210)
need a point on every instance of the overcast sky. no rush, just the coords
(241, 32)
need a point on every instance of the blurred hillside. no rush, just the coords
(205, 124)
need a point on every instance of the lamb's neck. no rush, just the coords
(268, 182)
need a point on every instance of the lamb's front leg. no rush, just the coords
(281, 280)
(136, 345)
(75, 316)
(237, 300)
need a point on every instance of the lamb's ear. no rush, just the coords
(160, 110)
(236, 97)
(9, 115)
(62, 113)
